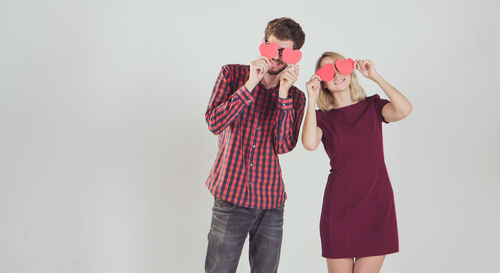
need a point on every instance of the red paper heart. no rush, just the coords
(345, 67)
(291, 56)
(268, 50)
(326, 73)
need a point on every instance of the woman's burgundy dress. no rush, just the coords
(358, 217)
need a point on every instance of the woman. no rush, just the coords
(358, 220)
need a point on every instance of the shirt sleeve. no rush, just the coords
(225, 104)
(288, 120)
(379, 105)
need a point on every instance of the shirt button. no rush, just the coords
(253, 146)
(249, 101)
(257, 128)
(251, 164)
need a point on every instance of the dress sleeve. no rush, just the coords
(319, 119)
(379, 104)
(321, 122)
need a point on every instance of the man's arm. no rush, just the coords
(288, 122)
(225, 106)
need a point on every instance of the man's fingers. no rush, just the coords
(290, 76)
(294, 68)
(262, 64)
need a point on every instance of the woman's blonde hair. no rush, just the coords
(325, 98)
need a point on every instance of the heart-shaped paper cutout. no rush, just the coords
(291, 56)
(326, 73)
(268, 50)
(345, 67)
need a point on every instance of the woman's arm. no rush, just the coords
(399, 107)
(311, 133)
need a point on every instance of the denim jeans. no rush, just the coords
(229, 229)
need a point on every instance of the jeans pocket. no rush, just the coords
(223, 205)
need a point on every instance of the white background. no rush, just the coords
(104, 149)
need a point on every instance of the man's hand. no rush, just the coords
(258, 67)
(287, 78)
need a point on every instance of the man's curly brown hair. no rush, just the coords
(284, 29)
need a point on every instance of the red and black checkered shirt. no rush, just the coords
(253, 127)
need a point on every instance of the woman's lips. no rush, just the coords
(339, 82)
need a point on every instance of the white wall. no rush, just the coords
(104, 149)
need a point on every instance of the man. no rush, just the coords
(256, 112)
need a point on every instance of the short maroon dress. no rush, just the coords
(358, 217)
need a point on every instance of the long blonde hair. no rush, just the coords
(325, 98)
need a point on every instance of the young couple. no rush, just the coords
(256, 112)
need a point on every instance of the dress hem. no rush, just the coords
(361, 255)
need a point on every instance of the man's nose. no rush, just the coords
(279, 54)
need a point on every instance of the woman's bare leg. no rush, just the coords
(341, 265)
(370, 264)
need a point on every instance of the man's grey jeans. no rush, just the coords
(229, 229)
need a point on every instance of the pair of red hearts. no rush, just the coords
(290, 56)
(327, 72)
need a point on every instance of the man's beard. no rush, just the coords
(279, 71)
